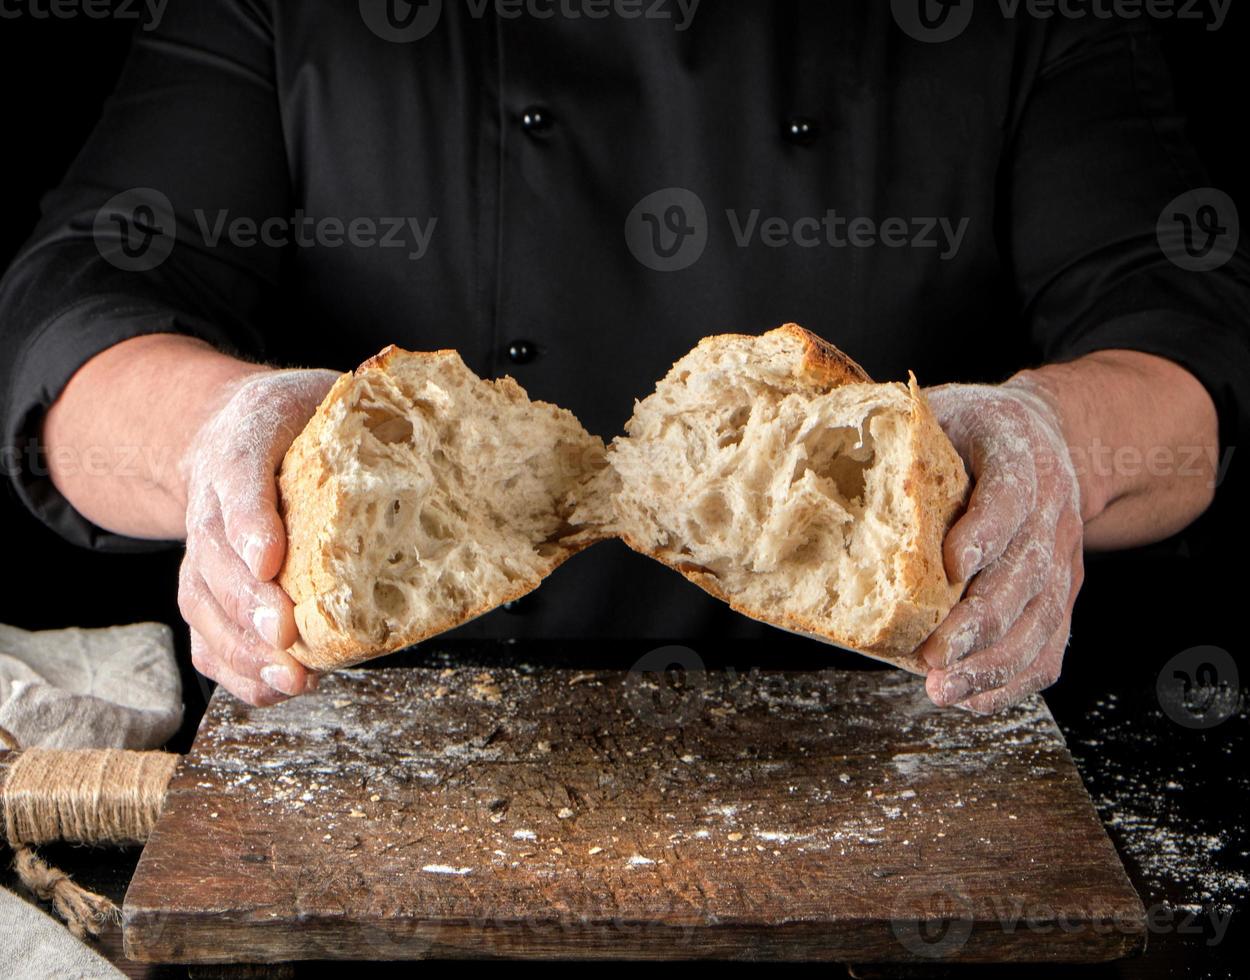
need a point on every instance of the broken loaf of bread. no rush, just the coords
(774, 474)
(769, 470)
(420, 496)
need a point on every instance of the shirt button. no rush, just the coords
(536, 120)
(522, 351)
(801, 130)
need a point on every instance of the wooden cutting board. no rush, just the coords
(832, 815)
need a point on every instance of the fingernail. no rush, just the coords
(956, 688)
(253, 549)
(279, 678)
(970, 560)
(265, 620)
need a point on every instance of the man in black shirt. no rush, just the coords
(577, 200)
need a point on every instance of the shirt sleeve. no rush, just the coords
(1098, 155)
(130, 242)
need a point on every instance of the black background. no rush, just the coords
(1137, 610)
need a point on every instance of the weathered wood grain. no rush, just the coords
(551, 813)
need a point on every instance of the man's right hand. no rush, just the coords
(241, 621)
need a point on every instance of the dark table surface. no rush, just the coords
(1164, 774)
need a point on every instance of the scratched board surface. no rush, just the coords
(835, 815)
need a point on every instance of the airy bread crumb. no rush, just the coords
(769, 470)
(772, 473)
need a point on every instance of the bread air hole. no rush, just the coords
(732, 428)
(387, 427)
(389, 600)
(435, 524)
(840, 455)
(711, 511)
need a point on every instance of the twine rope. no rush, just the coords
(87, 796)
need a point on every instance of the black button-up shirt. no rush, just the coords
(576, 200)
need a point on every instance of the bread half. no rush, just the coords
(774, 474)
(420, 496)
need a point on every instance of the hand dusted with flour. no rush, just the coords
(1021, 538)
(241, 620)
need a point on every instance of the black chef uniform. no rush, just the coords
(576, 199)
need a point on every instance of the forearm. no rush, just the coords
(117, 437)
(1144, 439)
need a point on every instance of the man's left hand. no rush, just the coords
(1019, 541)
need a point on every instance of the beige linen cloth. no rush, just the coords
(79, 689)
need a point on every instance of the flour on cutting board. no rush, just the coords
(296, 758)
(341, 731)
